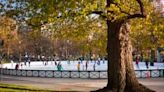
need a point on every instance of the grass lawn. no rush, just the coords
(17, 88)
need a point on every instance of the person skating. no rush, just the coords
(78, 66)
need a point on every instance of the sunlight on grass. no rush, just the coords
(17, 88)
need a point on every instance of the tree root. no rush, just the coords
(140, 88)
(145, 89)
(105, 89)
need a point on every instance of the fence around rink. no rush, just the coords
(153, 73)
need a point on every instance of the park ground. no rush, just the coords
(66, 84)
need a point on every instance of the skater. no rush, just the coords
(42, 59)
(98, 62)
(137, 61)
(59, 67)
(103, 61)
(78, 66)
(55, 63)
(26, 59)
(21, 65)
(17, 66)
(152, 62)
(39, 58)
(147, 64)
(99, 59)
(94, 67)
(29, 61)
(86, 65)
(12, 62)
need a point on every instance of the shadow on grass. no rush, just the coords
(17, 88)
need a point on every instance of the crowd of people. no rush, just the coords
(81, 65)
(148, 62)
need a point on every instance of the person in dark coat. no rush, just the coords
(17, 66)
(137, 61)
(147, 64)
(94, 67)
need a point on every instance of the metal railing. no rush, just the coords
(77, 74)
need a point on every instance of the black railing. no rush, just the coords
(76, 74)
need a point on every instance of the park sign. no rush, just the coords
(1, 42)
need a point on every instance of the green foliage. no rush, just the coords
(73, 20)
(148, 34)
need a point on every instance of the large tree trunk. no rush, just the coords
(121, 75)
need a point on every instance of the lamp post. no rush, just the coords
(90, 40)
(1, 67)
(20, 51)
(1, 44)
(67, 45)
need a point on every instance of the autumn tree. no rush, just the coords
(8, 32)
(116, 13)
(121, 75)
(147, 35)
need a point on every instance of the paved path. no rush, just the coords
(61, 84)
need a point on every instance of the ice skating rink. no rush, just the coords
(72, 65)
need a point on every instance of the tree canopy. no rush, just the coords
(81, 20)
(90, 25)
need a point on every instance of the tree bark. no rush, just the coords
(116, 68)
(121, 75)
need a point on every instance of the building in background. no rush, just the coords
(159, 6)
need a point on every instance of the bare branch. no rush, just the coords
(141, 6)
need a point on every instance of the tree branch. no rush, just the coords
(108, 3)
(141, 6)
(98, 13)
(138, 15)
(121, 9)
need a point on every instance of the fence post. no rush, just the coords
(1, 74)
(140, 73)
(70, 74)
(159, 73)
(61, 74)
(163, 72)
(99, 74)
(150, 75)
